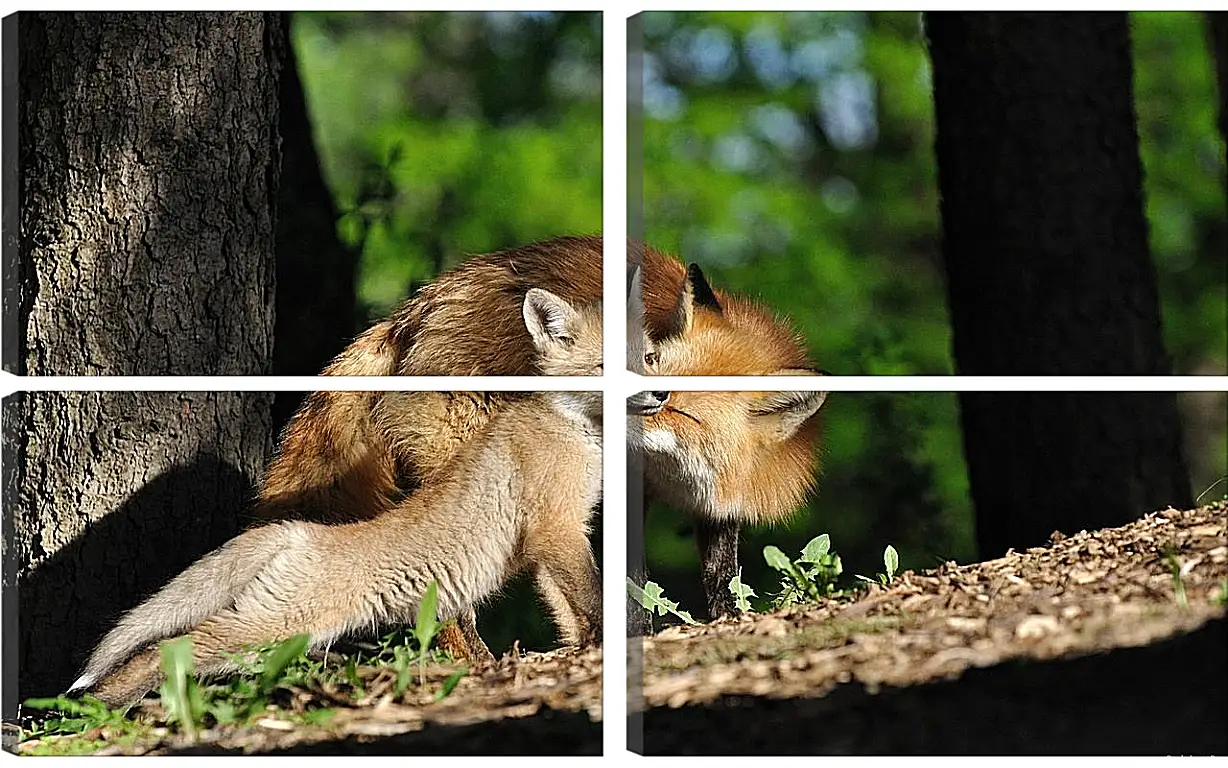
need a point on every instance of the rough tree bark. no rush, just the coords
(148, 159)
(147, 156)
(1048, 271)
(316, 314)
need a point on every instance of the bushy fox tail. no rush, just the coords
(207, 586)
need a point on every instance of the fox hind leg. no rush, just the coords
(133, 679)
(462, 639)
(565, 618)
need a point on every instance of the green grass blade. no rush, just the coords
(279, 658)
(177, 692)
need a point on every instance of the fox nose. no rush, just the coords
(646, 403)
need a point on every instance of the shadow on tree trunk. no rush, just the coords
(55, 615)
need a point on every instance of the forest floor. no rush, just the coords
(532, 703)
(1103, 642)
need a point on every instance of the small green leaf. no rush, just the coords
(684, 615)
(637, 594)
(279, 658)
(816, 548)
(891, 559)
(449, 685)
(777, 559)
(652, 598)
(178, 693)
(428, 621)
(426, 626)
(319, 716)
(224, 712)
(400, 660)
(741, 592)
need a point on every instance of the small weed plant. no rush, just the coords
(813, 575)
(652, 599)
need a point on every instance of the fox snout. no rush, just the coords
(646, 403)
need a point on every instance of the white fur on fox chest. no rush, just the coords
(681, 478)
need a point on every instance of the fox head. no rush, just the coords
(568, 343)
(743, 455)
(641, 352)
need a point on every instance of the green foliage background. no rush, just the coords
(446, 134)
(791, 155)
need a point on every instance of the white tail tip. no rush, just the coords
(84, 682)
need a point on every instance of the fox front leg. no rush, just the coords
(639, 620)
(718, 558)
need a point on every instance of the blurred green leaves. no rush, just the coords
(446, 134)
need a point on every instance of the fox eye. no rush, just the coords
(650, 359)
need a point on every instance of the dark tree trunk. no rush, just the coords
(315, 273)
(1045, 461)
(1048, 271)
(147, 167)
(1217, 29)
(146, 183)
(1045, 239)
(107, 495)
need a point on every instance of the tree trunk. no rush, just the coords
(1217, 31)
(1042, 210)
(148, 159)
(107, 496)
(1068, 461)
(1048, 271)
(315, 273)
(147, 169)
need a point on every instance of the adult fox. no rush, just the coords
(519, 495)
(352, 455)
(725, 458)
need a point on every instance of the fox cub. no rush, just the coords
(518, 496)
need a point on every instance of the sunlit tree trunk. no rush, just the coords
(147, 169)
(147, 159)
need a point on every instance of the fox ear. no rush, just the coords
(547, 317)
(704, 296)
(695, 293)
(635, 300)
(789, 409)
(636, 339)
